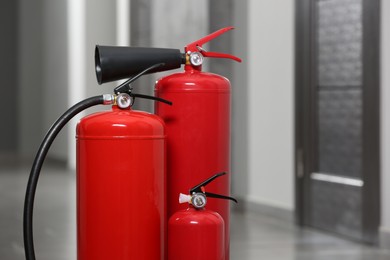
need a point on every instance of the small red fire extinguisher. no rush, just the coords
(197, 233)
(198, 127)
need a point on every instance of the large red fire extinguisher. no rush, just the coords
(198, 127)
(121, 176)
(197, 228)
(121, 184)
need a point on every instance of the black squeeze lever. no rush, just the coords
(125, 87)
(134, 95)
(200, 189)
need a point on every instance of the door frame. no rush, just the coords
(306, 110)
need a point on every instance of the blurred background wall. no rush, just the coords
(48, 65)
(385, 123)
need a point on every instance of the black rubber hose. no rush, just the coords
(37, 166)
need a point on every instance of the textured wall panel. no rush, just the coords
(339, 42)
(340, 132)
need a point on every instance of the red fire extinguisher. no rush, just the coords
(197, 228)
(121, 180)
(121, 184)
(121, 176)
(198, 127)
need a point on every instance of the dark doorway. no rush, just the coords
(337, 117)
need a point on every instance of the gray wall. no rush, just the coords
(141, 35)
(44, 64)
(30, 69)
(8, 76)
(240, 91)
(55, 70)
(224, 13)
(385, 123)
(43, 84)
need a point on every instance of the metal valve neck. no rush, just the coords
(198, 195)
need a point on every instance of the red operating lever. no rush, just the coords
(196, 46)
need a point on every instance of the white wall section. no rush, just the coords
(271, 108)
(123, 22)
(76, 67)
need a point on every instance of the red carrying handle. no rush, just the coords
(196, 46)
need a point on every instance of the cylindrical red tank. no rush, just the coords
(121, 208)
(196, 234)
(198, 135)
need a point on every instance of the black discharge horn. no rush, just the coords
(114, 63)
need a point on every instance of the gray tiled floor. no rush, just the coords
(253, 236)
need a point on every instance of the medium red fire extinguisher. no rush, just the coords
(197, 233)
(198, 127)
